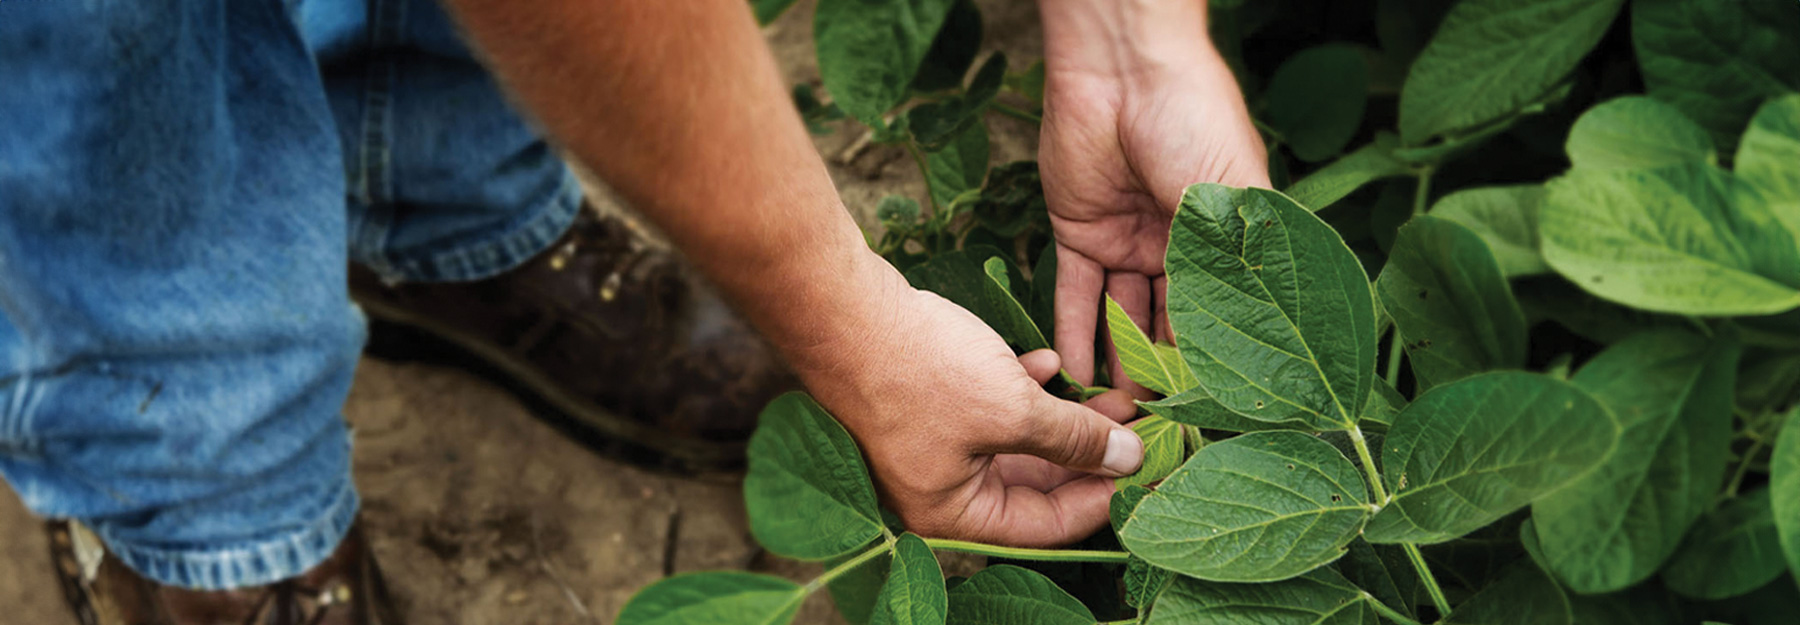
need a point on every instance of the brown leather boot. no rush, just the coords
(607, 334)
(346, 589)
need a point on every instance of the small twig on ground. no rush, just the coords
(537, 546)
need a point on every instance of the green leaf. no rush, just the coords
(1029, 83)
(1672, 393)
(1386, 573)
(1590, 317)
(1043, 290)
(1260, 507)
(959, 166)
(1347, 174)
(1734, 549)
(767, 10)
(1321, 597)
(1506, 218)
(1383, 406)
(1716, 61)
(854, 591)
(1272, 312)
(1637, 132)
(1196, 408)
(1766, 158)
(1160, 370)
(1784, 487)
(1164, 450)
(1491, 58)
(914, 593)
(933, 124)
(960, 276)
(1009, 595)
(1124, 500)
(952, 51)
(869, 50)
(1523, 595)
(1454, 310)
(1144, 582)
(898, 213)
(1464, 454)
(1013, 199)
(714, 598)
(1316, 99)
(807, 493)
(1642, 605)
(1657, 239)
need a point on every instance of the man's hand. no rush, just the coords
(1138, 105)
(961, 437)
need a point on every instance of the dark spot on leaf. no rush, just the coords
(1596, 279)
(1268, 222)
(1423, 293)
(1259, 403)
(1290, 467)
(1336, 498)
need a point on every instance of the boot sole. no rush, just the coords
(401, 336)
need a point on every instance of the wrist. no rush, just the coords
(1125, 39)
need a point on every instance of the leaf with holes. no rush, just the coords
(1453, 308)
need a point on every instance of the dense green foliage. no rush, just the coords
(1518, 344)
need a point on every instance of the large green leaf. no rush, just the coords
(1784, 487)
(808, 493)
(869, 50)
(914, 593)
(1009, 595)
(1506, 218)
(1522, 595)
(1316, 99)
(1637, 132)
(1733, 550)
(1259, 507)
(1386, 573)
(1453, 308)
(1491, 58)
(1660, 239)
(1671, 391)
(1321, 597)
(953, 51)
(1272, 312)
(714, 598)
(1196, 408)
(1716, 61)
(1367, 164)
(1766, 158)
(1159, 370)
(1464, 454)
(959, 166)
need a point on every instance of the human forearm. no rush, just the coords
(1123, 39)
(680, 107)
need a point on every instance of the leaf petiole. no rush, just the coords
(1015, 113)
(1018, 553)
(1431, 584)
(1390, 613)
(1382, 499)
(837, 571)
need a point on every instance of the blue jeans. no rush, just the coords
(182, 185)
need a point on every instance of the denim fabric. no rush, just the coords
(182, 184)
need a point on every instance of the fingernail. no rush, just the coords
(1124, 453)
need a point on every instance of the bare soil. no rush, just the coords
(480, 514)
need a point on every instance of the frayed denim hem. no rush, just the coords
(240, 566)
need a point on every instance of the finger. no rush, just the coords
(1132, 292)
(1033, 472)
(1024, 517)
(1160, 288)
(1041, 365)
(1079, 281)
(1070, 435)
(1114, 404)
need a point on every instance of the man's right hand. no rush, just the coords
(961, 438)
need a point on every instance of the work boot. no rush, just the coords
(607, 334)
(346, 589)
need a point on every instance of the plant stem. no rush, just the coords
(1016, 553)
(1758, 440)
(925, 171)
(836, 571)
(1368, 462)
(1016, 113)
(1390, 613)
(1393, 367)
(1431, 584)
(1423, 192)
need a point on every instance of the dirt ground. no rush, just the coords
(482, 515)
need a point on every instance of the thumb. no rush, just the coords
(1077, 437)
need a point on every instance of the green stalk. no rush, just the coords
(1017, 553)
(1431, 584)
(925, 172)
(1423, 192)
(1393, 366)
(1390, 613)
(837, 571)
(1015, 113)
(1368, 462)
